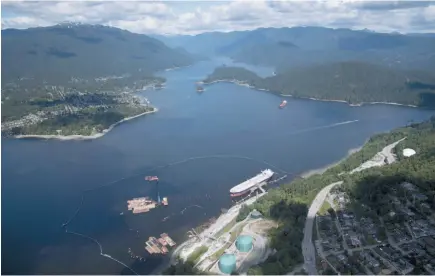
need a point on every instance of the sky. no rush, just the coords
(193, 17)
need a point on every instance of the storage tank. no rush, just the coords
(227, 263)
(244, 243)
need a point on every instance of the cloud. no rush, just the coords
(391, 5)
(191, 17)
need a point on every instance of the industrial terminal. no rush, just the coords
(228, 245)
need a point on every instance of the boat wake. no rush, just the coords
(191, 206)
(322, 127)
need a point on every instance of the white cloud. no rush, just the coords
(195, 17)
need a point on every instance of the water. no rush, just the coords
(43, 181)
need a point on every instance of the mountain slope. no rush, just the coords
(322, 45)
(315, 45)
(83, 51)
(354, 82)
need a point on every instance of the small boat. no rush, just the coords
(283, 104)
(199, 89)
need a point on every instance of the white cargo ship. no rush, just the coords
(247, 186)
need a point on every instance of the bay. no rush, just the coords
(213, 141)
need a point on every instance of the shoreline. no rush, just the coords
(309, 98)
(191, 243)
(83, 137)
(351, 151)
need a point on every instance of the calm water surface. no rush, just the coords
(43, 181)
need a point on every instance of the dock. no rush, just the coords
(159, 245)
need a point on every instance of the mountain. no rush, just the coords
(205, 44)
(354, 82)
(285, 48)
(83, 51)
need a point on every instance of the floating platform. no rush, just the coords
(159, 246)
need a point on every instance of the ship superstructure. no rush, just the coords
(251, 184)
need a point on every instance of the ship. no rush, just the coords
(165, 201)
(199, 88)
(284, 103)
(247, 186)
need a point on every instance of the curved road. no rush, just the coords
(307, 244)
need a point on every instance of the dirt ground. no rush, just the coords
(261, 227)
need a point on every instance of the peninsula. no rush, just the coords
(83, 90)
(352, 82)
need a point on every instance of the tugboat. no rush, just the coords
(283, 104)
(199, 89)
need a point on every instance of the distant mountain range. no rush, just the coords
(83, 51)
(285, 48)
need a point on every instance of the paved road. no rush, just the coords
(388, 151)
(379, 158)
(307, 244)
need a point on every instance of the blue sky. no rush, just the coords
(192, 17)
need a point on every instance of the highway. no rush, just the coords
(308, 249)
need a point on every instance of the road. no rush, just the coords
(307, 244)
(379, 159)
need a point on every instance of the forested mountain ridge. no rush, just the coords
(83, 51)
(285, 48)
(353, 82)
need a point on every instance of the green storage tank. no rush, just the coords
(244, 243)
(227, 263)
(255, 214)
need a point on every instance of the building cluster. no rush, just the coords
(400, 242)
(72, 102)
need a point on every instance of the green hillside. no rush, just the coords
(83, 51)
(354, 82)
(296, 47)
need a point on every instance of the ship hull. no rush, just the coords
(248, 189)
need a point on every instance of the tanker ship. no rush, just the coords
(247, 186)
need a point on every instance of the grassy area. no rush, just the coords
(234, 234)
(324, 209)
(197, 254)
(226, 228)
